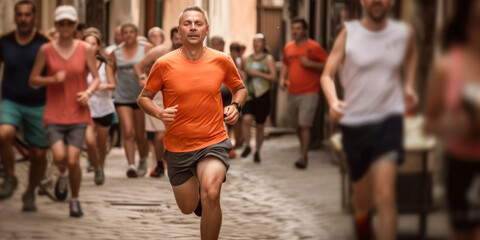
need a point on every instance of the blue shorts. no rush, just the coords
(31, 118)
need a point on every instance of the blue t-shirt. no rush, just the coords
(18, 63)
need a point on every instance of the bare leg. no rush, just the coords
(139, 123)
(74, 171)
(38, 164)
(384, 173)
(59, 155)
(7, 134)
(304, 135)
(102, 134)
(211, 172)
(260, 134)
(237, 131)
(186, 195)
(92, 147)
(246, 124)
(125, 115)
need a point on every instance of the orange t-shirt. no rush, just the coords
(61, 106)
(303, 80)
(195, 87)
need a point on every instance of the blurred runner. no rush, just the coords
(118, 40)
(303, 62)
(156, 36)
(374, 53)
(261, 73)
(21, 104)
(101, 108)
(453, 113)
(67, 62)
(154, 126)
(132, 118)
(196, 141)
(235, 50)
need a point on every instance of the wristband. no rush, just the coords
(89, 92)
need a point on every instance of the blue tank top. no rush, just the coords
(18, 63)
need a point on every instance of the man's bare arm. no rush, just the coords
(145, 102)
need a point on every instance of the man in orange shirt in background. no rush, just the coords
(196, 140)
(303, 62)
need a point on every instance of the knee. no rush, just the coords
(90, 141)
(247, 119)
(188, 209)
(6, 136)
(38, 155)
(385, 197)
(210, 195)
(128, 134)
(72, 162)
(59, 158)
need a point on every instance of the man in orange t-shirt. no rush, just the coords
(196, 141)
(303, 62)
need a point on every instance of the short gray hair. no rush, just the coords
(127, 25)
(155, 29)
(193, 8)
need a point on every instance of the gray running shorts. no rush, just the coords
(182, 166)
(71, 134)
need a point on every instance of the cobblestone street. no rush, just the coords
(271, 200)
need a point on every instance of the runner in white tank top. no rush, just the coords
(373, 52)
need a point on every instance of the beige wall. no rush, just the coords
(7, 22)
(122, 11)
(243, 23)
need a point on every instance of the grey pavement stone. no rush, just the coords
(271, 200)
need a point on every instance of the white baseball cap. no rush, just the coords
(66, 12)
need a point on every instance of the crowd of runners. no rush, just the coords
(183, 102)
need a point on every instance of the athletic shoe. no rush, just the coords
(142, 168)
(8, 187)
(99, 178)
(132, 172)
(246, 151)
(198, 210)
(28, 199)
(256, 157)
(301, 163)
(90, 167)
(61, 188)
(363, 227)
(158, 171)
(75, 209)
(232, 154)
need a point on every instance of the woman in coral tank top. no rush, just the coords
(67, 62)
(453, 112)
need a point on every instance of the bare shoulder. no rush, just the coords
(159, 51)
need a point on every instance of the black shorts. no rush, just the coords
(134, 106)
(182, 166)
(105, 121)
(463, 192)
(226, 96)
(258, 107)
(364, 145)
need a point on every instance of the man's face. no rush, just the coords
(218, 45)
(193, 28)
(118, 38)
(176, 41)
(129, 35)
(377, 10)
(298, 32)
(24, 18)
(156, 38)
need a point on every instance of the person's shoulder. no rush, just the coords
(290, 44)
(168, 57)
(8, 36)
(42, 37)
(160, 50)
(218, 54)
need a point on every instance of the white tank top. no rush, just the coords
(370, 72)
(101, 102)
